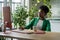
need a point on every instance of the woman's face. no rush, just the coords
(42, 14)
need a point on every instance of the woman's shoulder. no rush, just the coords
(47, 20)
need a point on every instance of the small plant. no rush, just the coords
(19, 17)
(33, 12)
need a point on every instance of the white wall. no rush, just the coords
(55, 25)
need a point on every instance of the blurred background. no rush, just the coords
(22, 11)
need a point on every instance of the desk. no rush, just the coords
(20, 36)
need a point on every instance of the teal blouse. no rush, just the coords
(34, 21)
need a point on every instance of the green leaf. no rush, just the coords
(20, 16)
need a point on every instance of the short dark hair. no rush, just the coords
(44, 8)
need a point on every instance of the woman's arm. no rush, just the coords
(30, 25)
(48, 26)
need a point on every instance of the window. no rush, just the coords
(14, 5)
(16, 0)
(1, 8)
(1, 14)
(1, 0)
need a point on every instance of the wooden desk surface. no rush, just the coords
(47, 36)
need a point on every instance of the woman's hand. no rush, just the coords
(39, 32)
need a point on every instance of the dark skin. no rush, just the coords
(42, 17)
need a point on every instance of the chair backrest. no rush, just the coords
(7, 17)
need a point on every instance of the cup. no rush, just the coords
(35, 28)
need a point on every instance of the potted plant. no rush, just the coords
(19, 17)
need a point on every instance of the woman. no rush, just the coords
(40, 23)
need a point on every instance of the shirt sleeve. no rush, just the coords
(30, 25)
(48, 26)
